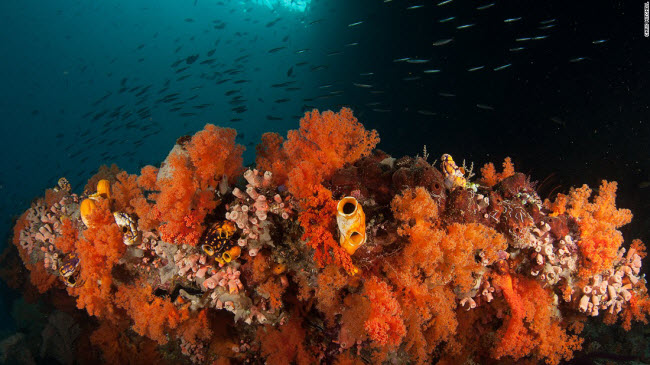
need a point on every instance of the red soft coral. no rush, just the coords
(318, 222)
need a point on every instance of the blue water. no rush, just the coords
(60, 57)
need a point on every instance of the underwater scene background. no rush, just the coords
(560, 87)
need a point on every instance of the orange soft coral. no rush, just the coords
(188, 184)
(271, 157)
(330, 281)
(118, 348)
(285, 344)
(124, 190)
(532, 329)
(598, 220)
(384, 324)
(148, 177)
(67, 241)
(181, 204)
(440, 255)
(415, 204)
(323, 144)
(272, 290)
(214, 153)
(490, 176)
(42, 279)
(468, 249)
(99, 249)
(152, 316)
(355, 312)
(103, 173)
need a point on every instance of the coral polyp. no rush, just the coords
(330, 251)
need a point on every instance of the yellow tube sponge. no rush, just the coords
(352, 224)
(231, 254)
(104, 189)
(86, 207)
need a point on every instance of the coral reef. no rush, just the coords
(202, 261)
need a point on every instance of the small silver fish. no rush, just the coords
(416, 61)
(484, 107)
(485, 6)
(442, 42)
(502, 67)
(355, 24)
(475, 68)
